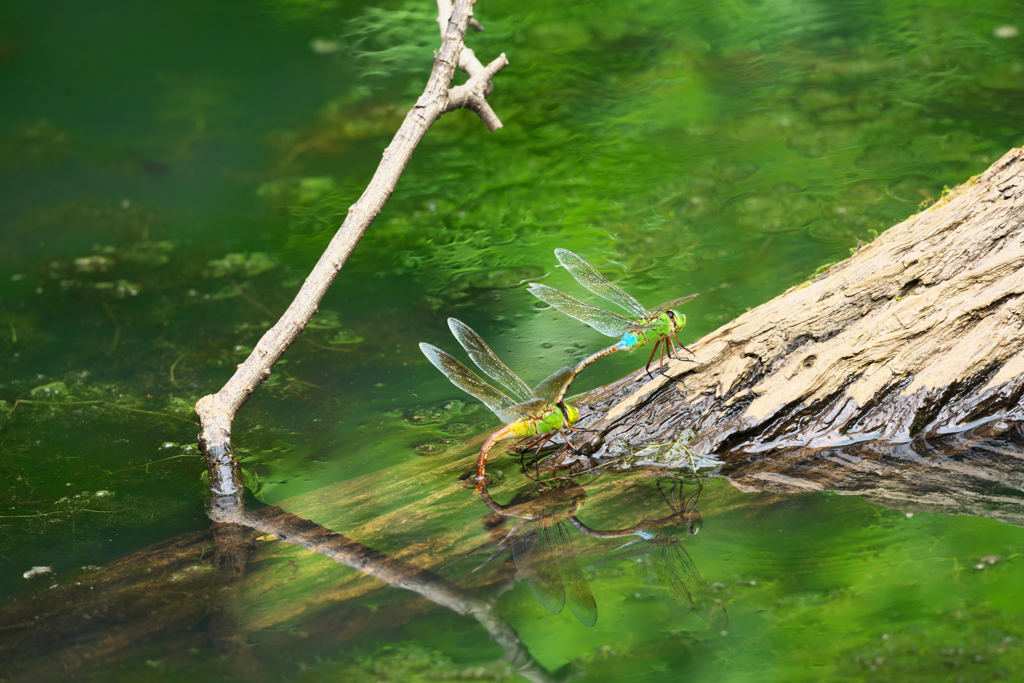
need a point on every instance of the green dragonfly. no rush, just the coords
(541, 411)
(659, 325)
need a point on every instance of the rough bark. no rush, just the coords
(917, 334)
(217, 411)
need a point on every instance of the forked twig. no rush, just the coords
(217, 411)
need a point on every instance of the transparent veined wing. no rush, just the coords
(466, 379)
(486, 359)
(521, 411)
(668, 570)
(643, 327)
(534, 556)
(588, 276)
(671, 304)
(553, 387)
(605, 322)
(577, 590)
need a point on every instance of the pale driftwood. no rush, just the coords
(217, 411)
(917, 334)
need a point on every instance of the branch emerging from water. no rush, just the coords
(217, 411)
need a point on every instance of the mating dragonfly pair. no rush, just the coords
(543, 411)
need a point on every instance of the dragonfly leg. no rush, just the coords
(683, 346)
(668, 502)
(566, 437)
(673, 353)
(540, 443)
(661, 355)
(647, 367)
(579, 429)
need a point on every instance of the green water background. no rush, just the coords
(170, 172)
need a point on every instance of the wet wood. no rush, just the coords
(917, 334)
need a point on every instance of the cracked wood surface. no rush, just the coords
(918, 333)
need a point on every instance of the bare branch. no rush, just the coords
(473, 94)
(217, 411)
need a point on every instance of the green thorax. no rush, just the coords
(665, 324)
(551, 419)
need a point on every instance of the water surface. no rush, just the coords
(169, 174)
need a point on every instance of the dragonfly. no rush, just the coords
(540, 411)
(542, 548)
(662, 562)
(659, 324)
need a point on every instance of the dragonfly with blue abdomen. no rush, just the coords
(660, 324)
(540, 411)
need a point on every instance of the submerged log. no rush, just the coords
(918, 334)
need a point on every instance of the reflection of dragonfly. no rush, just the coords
(664, 565)
(541, 411)
(543, 551)
(659, 325)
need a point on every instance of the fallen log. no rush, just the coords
(918, 334)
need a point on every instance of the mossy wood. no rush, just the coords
(918, 334)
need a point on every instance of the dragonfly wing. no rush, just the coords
(643, 328)
(532, 552)
(660, 577)
(671, 304)
(486, 359)
(552, 389)
(577, 590)
(669, 570)
(588, 276)
(522, 411)
(605, 322)
(466, 379)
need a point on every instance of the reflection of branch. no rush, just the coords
(397, 573)
(117, 329)
(217, 411)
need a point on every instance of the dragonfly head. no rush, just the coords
(571, 413)
(694, 522)
(676, 320)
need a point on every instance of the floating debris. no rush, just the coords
(37, 571)
(323, 46)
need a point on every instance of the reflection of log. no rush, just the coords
(978, 473)
(162, 592)
(291, 529)
(918, 333)
(165, 593)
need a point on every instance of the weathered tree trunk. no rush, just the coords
(917, 334)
